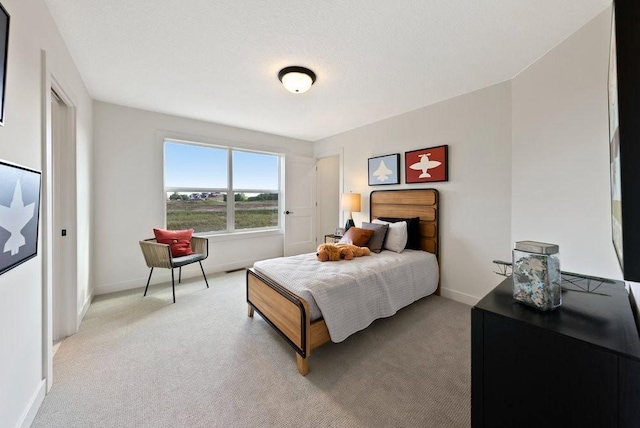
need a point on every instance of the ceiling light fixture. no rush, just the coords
(297, 79)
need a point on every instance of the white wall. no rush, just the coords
(560, 152)
(21, 289)
(528, 160)
(84, 204)
(475, 204)
(130, 199)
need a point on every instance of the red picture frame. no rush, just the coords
(427, 165)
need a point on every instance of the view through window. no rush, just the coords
(199, 179)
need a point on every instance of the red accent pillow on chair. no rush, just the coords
(179, 240)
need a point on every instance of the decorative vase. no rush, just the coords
(536, 275)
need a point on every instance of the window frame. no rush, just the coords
(229, 190)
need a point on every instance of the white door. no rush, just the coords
(64, 320)
(299, 205)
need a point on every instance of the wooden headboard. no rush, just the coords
(421, 203)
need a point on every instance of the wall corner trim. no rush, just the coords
(84, 309)
(35, 402)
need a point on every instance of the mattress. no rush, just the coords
(351, 294)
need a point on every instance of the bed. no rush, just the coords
(291, 312)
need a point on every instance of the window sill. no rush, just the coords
(236, 236)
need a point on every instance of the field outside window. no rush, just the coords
(198, 180)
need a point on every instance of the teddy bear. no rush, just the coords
(350, 251)
(335, 252)
(328, 252)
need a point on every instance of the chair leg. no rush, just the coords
(148, 280)
(205, 276)
(173, 286)
(179, 274)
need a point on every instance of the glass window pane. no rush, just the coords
(192, 166)
(201, 211)
(253, 210)
(255, 171)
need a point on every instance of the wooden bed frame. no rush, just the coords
(289, 314)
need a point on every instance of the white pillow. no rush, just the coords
(397, 235)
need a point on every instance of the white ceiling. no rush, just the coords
(218, 60)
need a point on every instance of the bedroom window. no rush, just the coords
(216, 189)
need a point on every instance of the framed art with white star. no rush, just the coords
(19, 214)
(384, 170)
(426, 165)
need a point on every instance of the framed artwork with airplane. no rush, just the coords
(19, 211)
(384, 170)
(427, 165)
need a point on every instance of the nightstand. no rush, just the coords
(331, 239)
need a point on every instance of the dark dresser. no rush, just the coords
(578, 366)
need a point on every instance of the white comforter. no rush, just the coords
(351, 294)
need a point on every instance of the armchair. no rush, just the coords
(159, 256)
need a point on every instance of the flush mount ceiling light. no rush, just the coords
(297, 79)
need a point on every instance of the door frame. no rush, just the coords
(50, 80)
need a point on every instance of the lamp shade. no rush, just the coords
(297, 79)
(350, 202)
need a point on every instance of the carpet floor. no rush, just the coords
(145, 362)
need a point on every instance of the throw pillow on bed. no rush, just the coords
(396, 238)
(379, 233)
(179, 241)
(357, 236)
(413, 230)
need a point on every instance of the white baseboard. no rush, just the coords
(119, 286)
(238, 265)
(31, 410)
(459, 296)
(163, 275)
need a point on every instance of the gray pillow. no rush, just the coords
(377, 239)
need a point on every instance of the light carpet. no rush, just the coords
(201, 362)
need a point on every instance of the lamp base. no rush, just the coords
(349, 224)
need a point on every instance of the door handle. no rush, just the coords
(288, 212)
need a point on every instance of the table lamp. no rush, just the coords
(350, 202)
